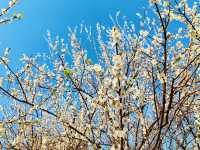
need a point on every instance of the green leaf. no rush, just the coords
(68, 72)
(18, 16)
(166, 3)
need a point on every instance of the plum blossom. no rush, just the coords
(144, 33)
(154, 1)
(115, 35)
(97, 68)
(117, 61)
(1, 81)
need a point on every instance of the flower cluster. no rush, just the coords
(4, 12)
(115, 35)
(138, 94)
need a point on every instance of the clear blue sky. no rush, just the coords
(28, 35)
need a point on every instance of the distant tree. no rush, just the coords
(5, 18)
(139, 90)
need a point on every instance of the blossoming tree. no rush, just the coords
(139, 90)
(5, 18)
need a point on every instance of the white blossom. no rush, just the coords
(115, 35)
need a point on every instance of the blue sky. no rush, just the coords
(28, 35)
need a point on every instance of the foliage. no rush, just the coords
(142, 92)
